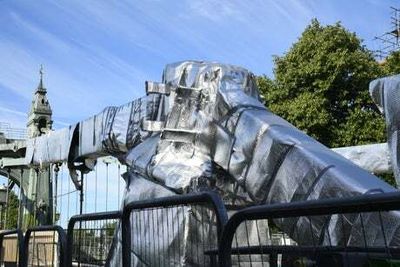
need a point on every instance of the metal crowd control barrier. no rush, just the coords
(90, 237)
(41, 247)
(11, 251)
(165, 231)
(354, 211)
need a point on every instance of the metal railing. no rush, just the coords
(12, 133)
(90, 238)
(171, 231)
(10, 253)
(342, 232)
(44, 246)
(193, 229)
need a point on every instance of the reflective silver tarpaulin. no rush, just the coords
(374, 158)
(386, 94)
(204, 127)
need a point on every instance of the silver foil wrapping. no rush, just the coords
(374, 158)
(204, 128)
(386, 94)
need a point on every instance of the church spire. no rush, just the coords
(40, 86)
(39, 119)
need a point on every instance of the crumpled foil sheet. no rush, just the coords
(204, 128)
(386, 94)
(375, 158)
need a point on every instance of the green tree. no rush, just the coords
(108, 229)
(391, 65)
(321, 86)
(12, 211)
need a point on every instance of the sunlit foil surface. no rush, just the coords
(204, 128)
(386, 94)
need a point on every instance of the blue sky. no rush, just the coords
(99, 53)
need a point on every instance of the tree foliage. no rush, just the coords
(321, 86)
(391, 65)
(12, 211)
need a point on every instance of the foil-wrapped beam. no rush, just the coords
(374, 158)
(49, 148)
(112, 132)
(203, 127)
(386, 94)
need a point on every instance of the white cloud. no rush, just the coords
(13, 118)
(18, 118)
(67, 86)
(17, 74)
(15, 112)
(213, 10)
(294, 11)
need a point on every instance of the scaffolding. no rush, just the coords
(390, 40)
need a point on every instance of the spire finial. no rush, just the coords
(40, 87)
(41, 71)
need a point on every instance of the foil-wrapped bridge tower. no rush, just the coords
(204, 128)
